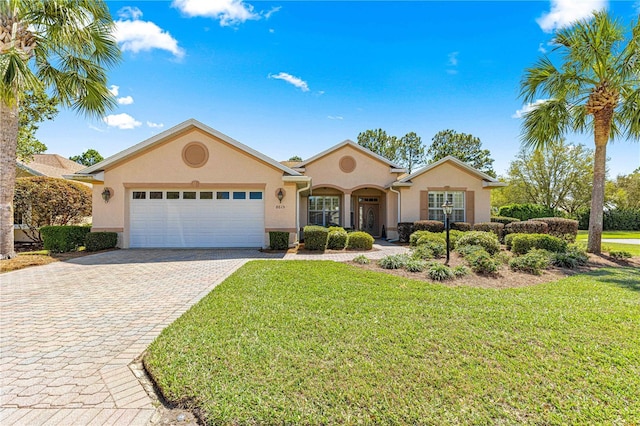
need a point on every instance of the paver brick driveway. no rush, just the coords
(69, 330)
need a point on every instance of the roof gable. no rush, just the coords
(51, 165)
(180, 128)
(491, 181)
(353, 145)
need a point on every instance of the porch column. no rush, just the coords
(346, 210)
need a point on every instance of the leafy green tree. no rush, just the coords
(88, 158)
(295, 158)
(36, 107)
(379, 142)
(464, 147)
(63, 46)
(40, 201)
(557, 176)
(624, 191)
(596, 89)
(410, 152)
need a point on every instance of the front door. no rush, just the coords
(369, 218)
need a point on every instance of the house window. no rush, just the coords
(324, 210)
(222, 195)
(173, 195)
(155, 195)
(436, 200)
(207, 195)
(139, 195)
(255, 195)
(239, 195)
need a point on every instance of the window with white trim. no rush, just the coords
(324, 210)
(436, 200)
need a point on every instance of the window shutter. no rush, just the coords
(470, 206)
(424, 205)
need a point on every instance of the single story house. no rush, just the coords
(192, 186)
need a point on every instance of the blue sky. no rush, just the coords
(294, 78)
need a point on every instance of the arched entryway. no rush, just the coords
(368, 210)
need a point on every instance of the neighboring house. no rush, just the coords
(50, 165)
(192, 186)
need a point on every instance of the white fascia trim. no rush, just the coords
(81, 177)
(400, 184)
(494, 184)
(399, 170)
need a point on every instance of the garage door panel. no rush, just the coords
(195, 223)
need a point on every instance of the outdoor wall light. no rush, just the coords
(107, 193)
(280, 195)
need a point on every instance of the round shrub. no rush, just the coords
(460, 271)
(567, 229)
(505, 220)
(461, 226)
(359, 241)
(620, 254)
(454, 235)
(522, 243)
(394, 261)
(95, 241)
(62, 239)
(533, 262)
(481, 262)
(337, 239)
(508, 239)
(278, 240)
(525, 211)
(315, 237)
(413, 239)
(439, 272)
(427, 237)
(415, 265)
(495, 227)
(428, 225)
(487, 240)
(361, 259)
(574, 256)
(527, 227)
(437, 248)
(465, 251)
(423, 252)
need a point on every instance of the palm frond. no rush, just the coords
(547, 122)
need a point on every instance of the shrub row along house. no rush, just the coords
(192, 186)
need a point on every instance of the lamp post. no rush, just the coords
(447, 208)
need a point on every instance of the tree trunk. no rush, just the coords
(9, 142)
(602, 120)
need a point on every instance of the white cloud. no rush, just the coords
(541, 48)
(528, 108)
(453, 59)
(97, 129)
(121, 121)
(129, 12)
(155, 125)
(298, 82)
(270, 12)
(565, 12)
(228, 12)
(125, 100)
(135, 35)
(335, 117)
(114, 89)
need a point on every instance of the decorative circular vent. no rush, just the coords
(347, 164)
(195, 154)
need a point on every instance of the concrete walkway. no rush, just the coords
(70, 330)
(622, 240)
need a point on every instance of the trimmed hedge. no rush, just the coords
(95, 241)
(566, 229)
(495, 227)
(504, 219)
(487, 240)
(62, 239)
(527, 227)
(337, 239)
(523, 243)
(526, 211)
(278, 240)
(612, 220)
(360, 241)
(315, 237)
(428, 225)
(461, 226)
(508, 239)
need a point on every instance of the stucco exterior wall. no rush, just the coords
(163, 166)
(447, 175)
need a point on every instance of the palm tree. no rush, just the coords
(63, 46)
(596, 89)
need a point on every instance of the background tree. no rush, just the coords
(410, 152)
(64, 46)
(88, 158)
(624, 191)
(379, 142)
(557, 176)
(464, 147)
(596, 89)
(295, 158)
(41, 201)
(35, 108)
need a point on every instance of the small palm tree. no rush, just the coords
(63, 46)
(596, 89)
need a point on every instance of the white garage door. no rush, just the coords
(178, 218)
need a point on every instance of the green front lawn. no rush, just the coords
(607, 246)
(292, 342)
(583, 235)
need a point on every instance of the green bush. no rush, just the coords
(495, 227)
(454, 236)
(278, 240)
(413, 239)
(337, 239)
(360, 241)
(481, 262)
(533, 262)
(466, 251)
(612, 220)
(504, 219)
(315, 237)
(405, 229)
(526, 227)
(487, 240)
(415, 265)
(567, 229)
(62, 239)
(428, 225)
(422, 252)
(394, 261)
(439, 272)
(95, 241)
(460, 226)
(574, 256)
(361, 259)
(523, 243)
(508, 239)
(525, 211)
(620, 254)
(460, 271)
